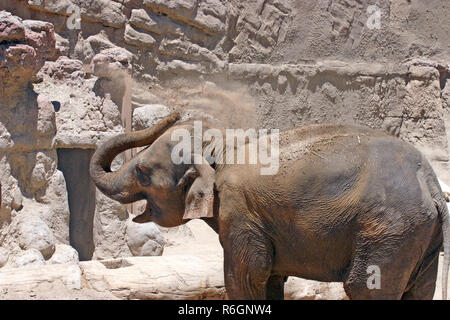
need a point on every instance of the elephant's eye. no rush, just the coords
(143, 178)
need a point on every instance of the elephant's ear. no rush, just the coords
(200, 197)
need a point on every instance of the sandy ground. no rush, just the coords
(202, 240)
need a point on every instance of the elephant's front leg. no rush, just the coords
(247, 264)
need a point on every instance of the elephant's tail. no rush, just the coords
(440, 203)
(444, 214)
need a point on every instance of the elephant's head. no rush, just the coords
(174, 192)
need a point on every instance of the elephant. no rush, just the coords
(348, 204)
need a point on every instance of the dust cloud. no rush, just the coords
(229, 103)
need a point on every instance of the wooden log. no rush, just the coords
(158, 278)
(175, 277)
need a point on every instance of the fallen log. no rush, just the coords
(158, 278)
(155, 278)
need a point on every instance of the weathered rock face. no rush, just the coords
(30, 219)
(110, 229)
(24, 46)
(50, 108)
(33, 233)
(302, 62)
(206, 34)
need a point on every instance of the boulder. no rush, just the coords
(25, 46)
(176, 8)
(138, 39)
(108, 13)
(113, 68)
(64, 254)
(83, 117)
(17, 200)
(112, 62)
(35, 234)
(144, 239)
(302, 289)
(41, 36)
(5, 138)
(110, 224)
(11, 28)
(28, 258)
(46, 124)
(142, 19)
(63, 69)
(148, 115)
(51, 6)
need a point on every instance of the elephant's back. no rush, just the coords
(317, 139)
(346, 163)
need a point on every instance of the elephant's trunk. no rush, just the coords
(117, 184)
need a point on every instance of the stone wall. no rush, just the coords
(53, 114)
(301, 61)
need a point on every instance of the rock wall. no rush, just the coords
(208, 32)
(53, 114)
(34, 213)
(379, 63)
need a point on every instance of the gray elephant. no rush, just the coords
(348, 204)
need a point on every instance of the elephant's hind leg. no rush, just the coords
(275, 287)
(423, 282)
(388, 257)
(371, 280)
(379, 271)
